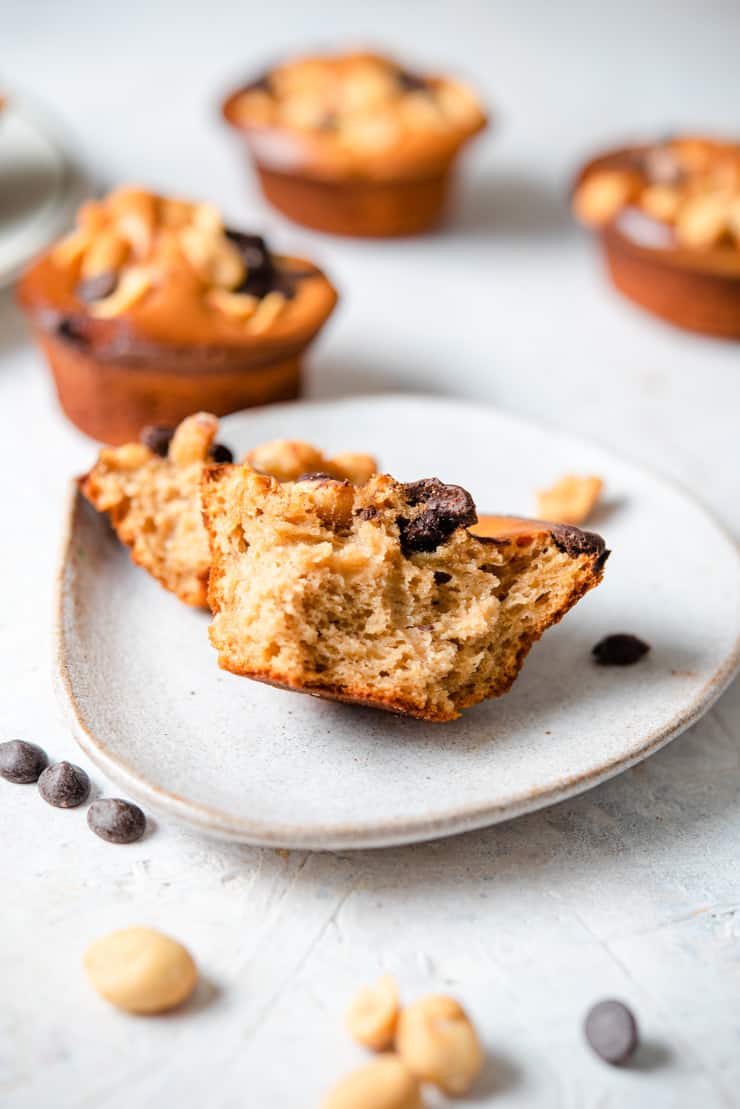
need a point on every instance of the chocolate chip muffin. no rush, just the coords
(668, 217)
(151, 493)
(153, 308)
(354, 143)
(382, 595)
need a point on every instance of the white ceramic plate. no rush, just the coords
(40, 187)
(243, 760)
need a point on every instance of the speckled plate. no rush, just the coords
(242, 760)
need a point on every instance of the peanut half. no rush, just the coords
(386, 1083)
(438, 1043)
(373, 1014)
(141, 970)
(571, 500)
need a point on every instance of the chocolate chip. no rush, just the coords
(369, 513)
(67, 327)
(221, 453)
(157, 437)
(411, 82)
(21, 762)
(261, 272)
(116, 821)
(446, 508)
(442, 577)
(96, 288)
(611, 1030)
(64, 785)
(261, 84)
(621, 649)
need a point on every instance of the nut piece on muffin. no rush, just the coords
(153, 308)
(668, 215)
(353, 143)
(381, 595)
(151, 493)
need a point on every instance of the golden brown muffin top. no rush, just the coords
(681, 194)
(172, 272)
(354, 113)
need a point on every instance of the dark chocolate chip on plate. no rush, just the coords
(221, 453)
(21, 762)
(96, 288)
(157, 437)
(621, 649)
(611, 1030)
(116, 821)
(64, 785)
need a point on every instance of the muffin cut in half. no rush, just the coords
(151, 492)
(381, 595)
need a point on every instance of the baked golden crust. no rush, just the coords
(383, 595)
(354, 115)
(152, 497)
(144, 275)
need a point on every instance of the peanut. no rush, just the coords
(213, 257)
(71, 248)
(135, 214)
(661, 202)
(571, 500)
(141, 970)
(357, 468)
(286, 459)
(438, 1043)
(373, 1014)
(383, 1084)
(703, 220)
(268, 309)
(193, 438)
(240, 306)
(133, 284)
(106, 254)
(602, 194)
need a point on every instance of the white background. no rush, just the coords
(633, 889)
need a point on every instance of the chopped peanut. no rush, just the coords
(439, 1044)
(386, 1083)
(602, 195)
(193, 438)
(373, 1014)
(571, 500)
(133, 284)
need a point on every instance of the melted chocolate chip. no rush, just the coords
(611, 1030)
(446, 508)
(96, 288)
(157, 437)
(67, 327)
(21, 762)
(116, 821)
(574, 542)
(442, 577)
(621, 649)
(221, 453)
(411, 82)
(261, 272)
(64, 785)
(369, 513)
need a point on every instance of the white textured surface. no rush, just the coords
(250, 760)
(633, 889)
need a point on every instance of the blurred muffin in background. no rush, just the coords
(353, 143)
(668, 216)
(152, 309)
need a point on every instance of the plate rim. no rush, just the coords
(395, 832)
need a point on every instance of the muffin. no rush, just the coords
(353, 143)
(668, 216)
(150, 491)
(382, 594)
(152, 308)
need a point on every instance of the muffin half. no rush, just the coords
(353, 143)
(152, 308)
(150, 491)
(382, 595)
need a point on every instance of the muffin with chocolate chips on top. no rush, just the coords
(353, 143)
(153, 308)
(383, 594)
